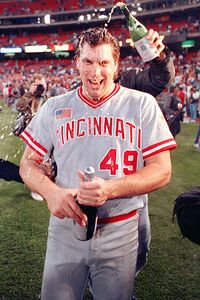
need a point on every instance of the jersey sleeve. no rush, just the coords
(37, 134)
(155, 134)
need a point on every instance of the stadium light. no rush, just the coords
(81, 18)
(102, 17)
(36, 49)
(47, 19)
(89, 17)
(10, 50)
(133, 12)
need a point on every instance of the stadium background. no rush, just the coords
(52, 28)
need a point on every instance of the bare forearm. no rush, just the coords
(146, 180)
(61, 201)
(35, 178)
(152, 177)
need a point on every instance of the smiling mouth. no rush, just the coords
(95, 83)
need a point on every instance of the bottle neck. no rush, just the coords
(125, 11)
(137, 30)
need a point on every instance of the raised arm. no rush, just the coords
(157, 76)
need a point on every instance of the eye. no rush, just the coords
(104, 63)
(87, 61)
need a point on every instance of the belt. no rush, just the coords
(117, 218)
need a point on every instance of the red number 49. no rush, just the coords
(109, 162)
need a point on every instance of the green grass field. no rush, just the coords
(173, 270)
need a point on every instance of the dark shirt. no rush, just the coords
(151, 80)
(9, 171)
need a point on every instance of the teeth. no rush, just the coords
(95, 82)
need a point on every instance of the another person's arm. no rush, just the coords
(159, 73)
(9, 171)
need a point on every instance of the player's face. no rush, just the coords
(97, 68)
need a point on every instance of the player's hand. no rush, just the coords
(91, 193)
(63, 204)
(156, 40)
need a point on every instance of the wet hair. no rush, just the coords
(98, 36)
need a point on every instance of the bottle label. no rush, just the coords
(145, 49)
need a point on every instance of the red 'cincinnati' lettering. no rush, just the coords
(80, 133)
(120, 133)
(98, 126)
(108, 125)
(69, 129)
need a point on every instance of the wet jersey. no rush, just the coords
(114, 136)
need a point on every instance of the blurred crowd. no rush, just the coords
(187, 77)
(16, 80)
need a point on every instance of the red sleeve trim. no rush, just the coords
(168, 144)
(33, 144)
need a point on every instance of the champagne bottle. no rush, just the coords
(138, 34)
(86, 233)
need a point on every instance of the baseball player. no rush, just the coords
(121, 133)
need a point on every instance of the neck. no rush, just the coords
(93, 99)
(97, 99)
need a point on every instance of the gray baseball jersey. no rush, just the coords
(115, 136)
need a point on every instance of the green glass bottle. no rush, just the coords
(138, 34)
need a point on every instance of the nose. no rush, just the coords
(96, 71)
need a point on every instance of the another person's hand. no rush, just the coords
(156, 40)
(91, 193)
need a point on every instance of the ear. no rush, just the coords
(77, 63)
(116, 71)
(116, 66)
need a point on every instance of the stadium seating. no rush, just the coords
(66, 36)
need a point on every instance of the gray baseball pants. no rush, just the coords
(107, 261)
